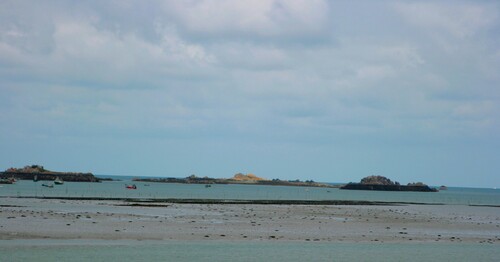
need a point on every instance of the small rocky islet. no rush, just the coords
(239, 178)
(381, 183)
(38, 172)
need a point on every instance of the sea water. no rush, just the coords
(215, 250)
(117, 189)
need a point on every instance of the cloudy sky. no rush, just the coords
(307, 89)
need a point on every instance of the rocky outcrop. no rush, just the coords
(358, 186)
(248, 179)
(39, 173)
(192, 179)
(377, 180)
(381, 183)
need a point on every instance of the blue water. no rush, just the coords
(116, 189)
(74, 250)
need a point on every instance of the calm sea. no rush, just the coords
(117, 189)
(84, 250)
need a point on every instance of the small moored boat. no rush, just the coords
(58, 181)
(6, 181)
(131, 186)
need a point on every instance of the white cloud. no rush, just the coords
(265, 18)
(181, 50)
(374, 72)
(251, 56)
(403, 55)
(459, 19)
(227, 79)
(83, 52)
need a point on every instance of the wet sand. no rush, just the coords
(30, 218)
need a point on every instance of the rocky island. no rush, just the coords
(37, 172)
(382, 183)
(248, 179)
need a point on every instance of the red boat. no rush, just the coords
(131, 186)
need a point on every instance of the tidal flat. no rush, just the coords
(111, 230)
(34, 218)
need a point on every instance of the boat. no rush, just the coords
(48, 185)
(10, 180)
(58, 181)
(208, 185)
(35, 178)
(131, 186)
(6, 181)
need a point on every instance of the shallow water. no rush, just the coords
(85, 250)
(458, 196)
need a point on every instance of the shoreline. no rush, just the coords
(49, 218)
(215, 201)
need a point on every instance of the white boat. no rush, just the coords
(58, 181)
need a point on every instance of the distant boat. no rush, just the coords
(35, 178)
(443, 188)
(48, 185)
(10, 180)
(58, 181)
(208, 185)
(6, 181)
(131, 186)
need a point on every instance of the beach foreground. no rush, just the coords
(31, 218)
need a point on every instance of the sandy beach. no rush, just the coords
(30, 218)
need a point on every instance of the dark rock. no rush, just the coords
(36, 172)
(381, 183)
(357, 186)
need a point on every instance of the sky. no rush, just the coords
(326, 90)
